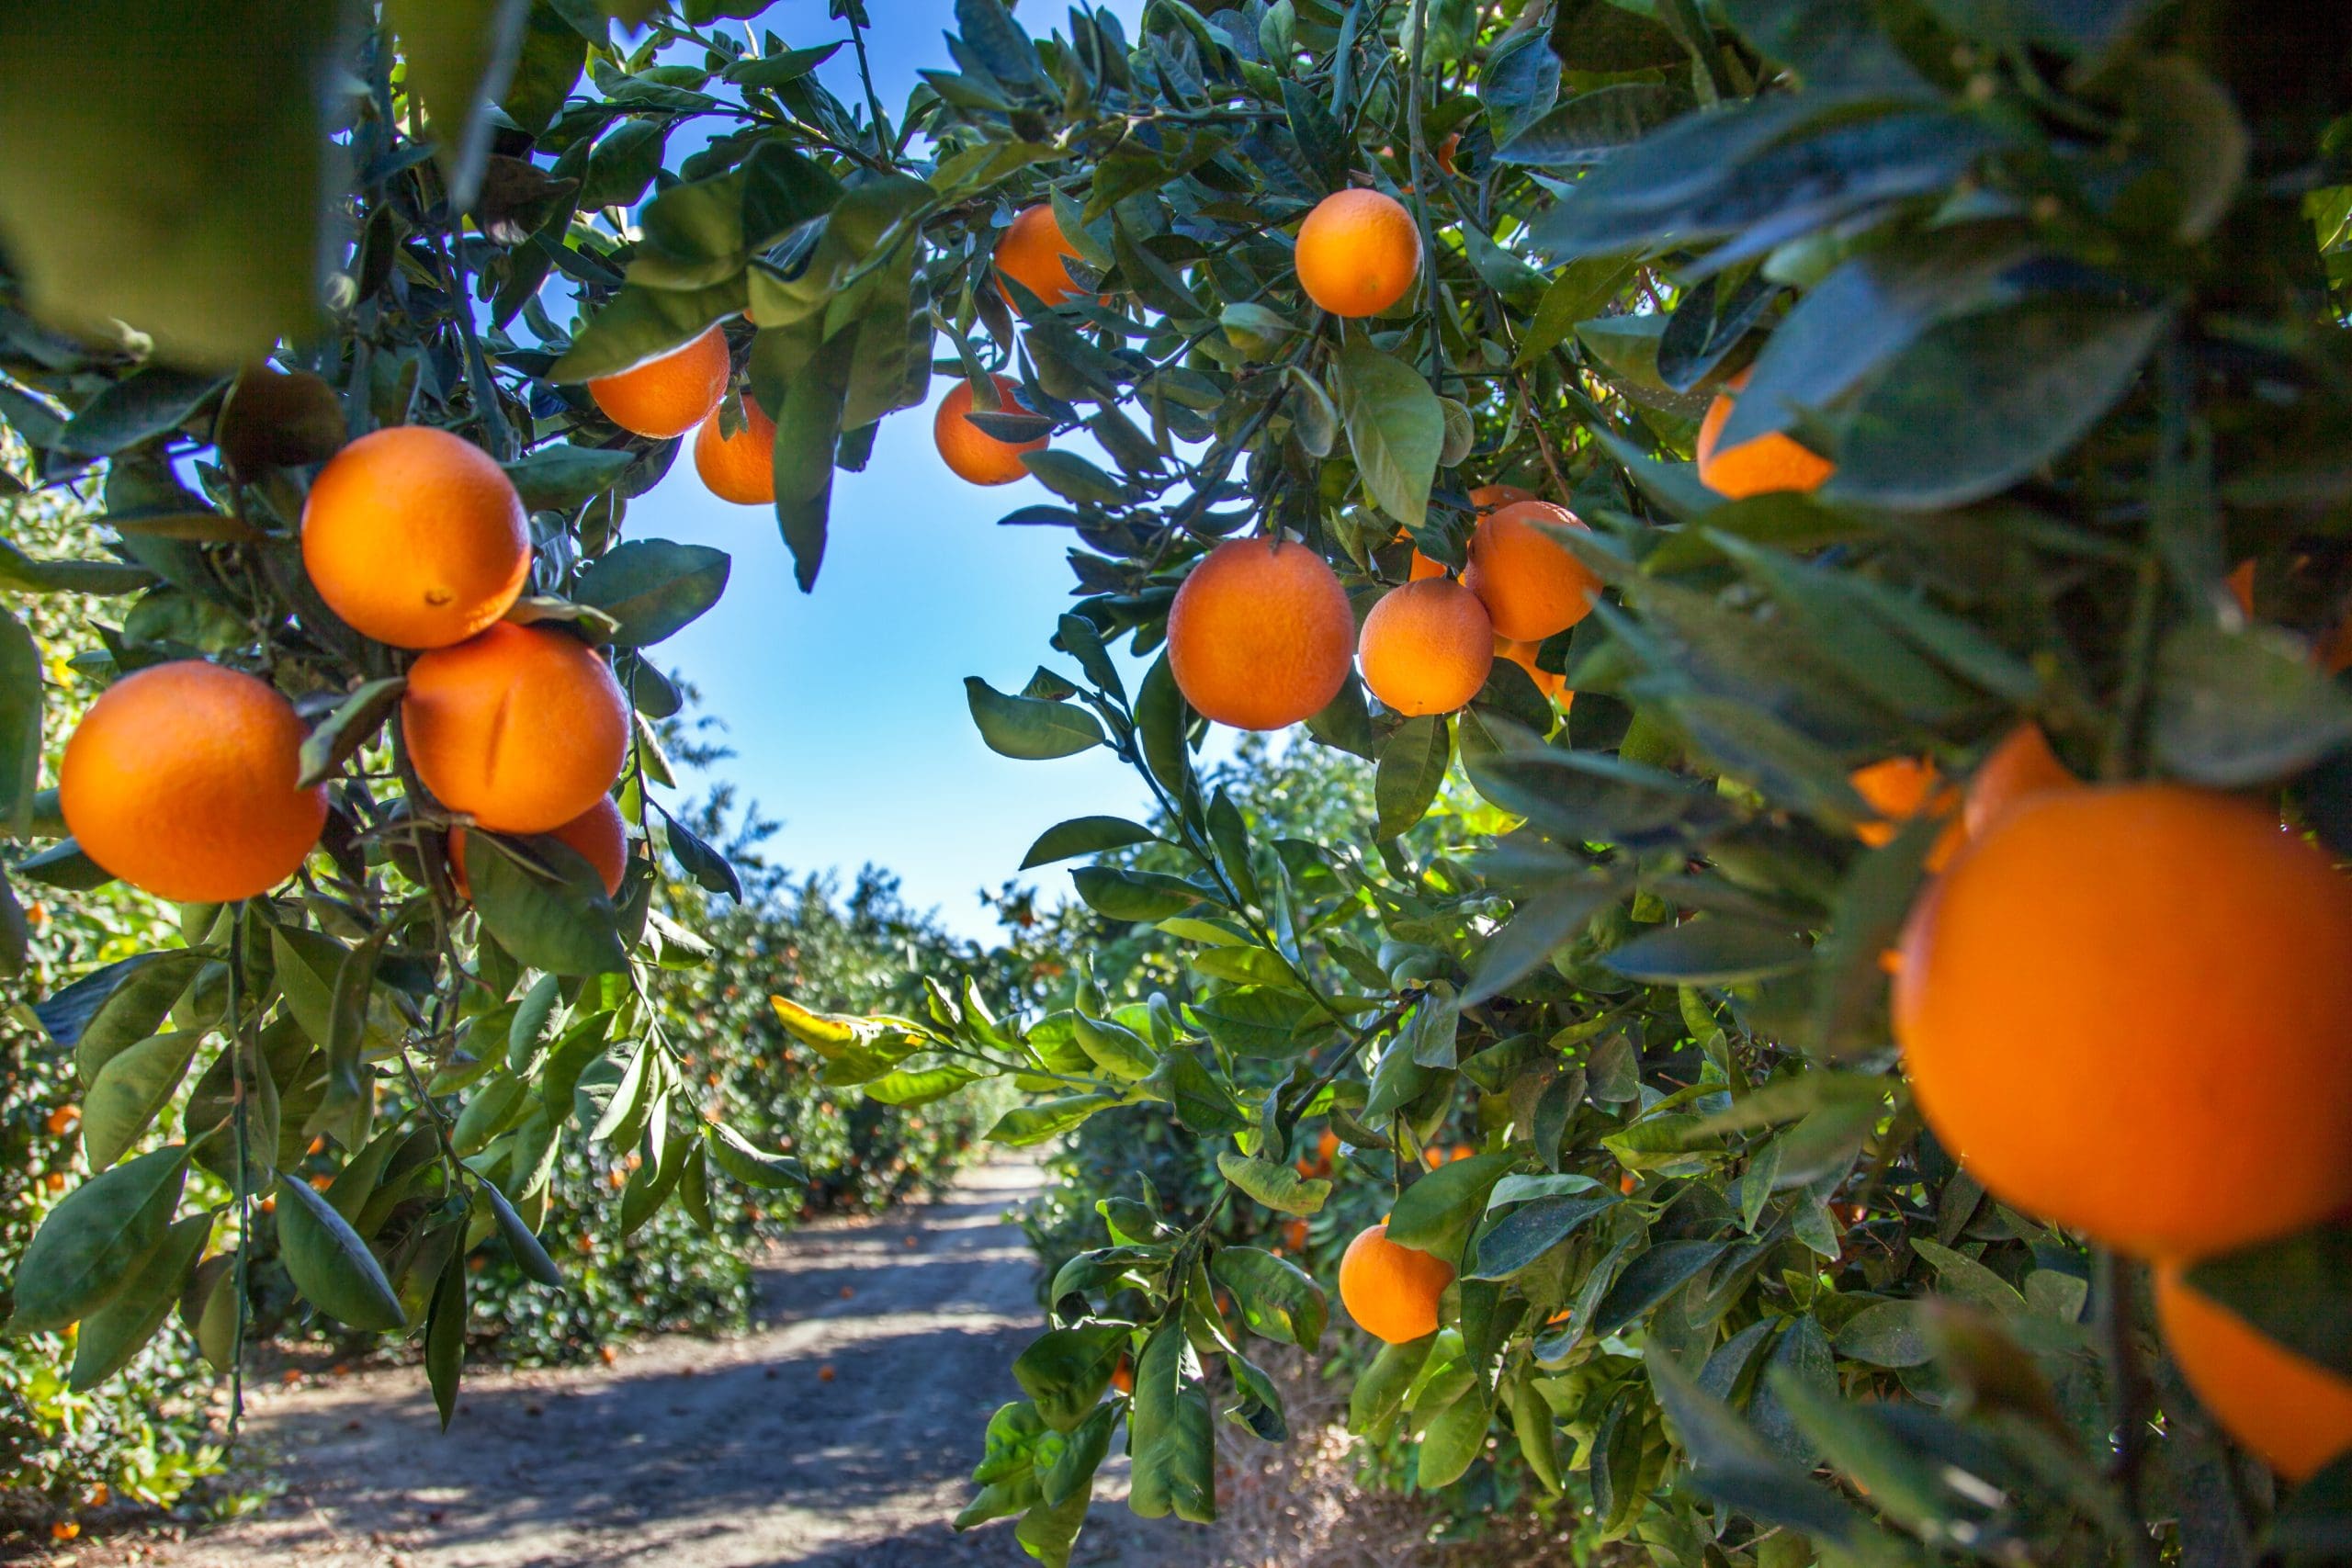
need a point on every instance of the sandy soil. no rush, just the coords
(695, 1453)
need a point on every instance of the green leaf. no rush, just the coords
(565, 478)
(1395, 428)
(461, 54)
(545, 904)
(529, 1256)
(1030, 729)
(109, 1009)
(1072, 478)
(1171, 1431)
(1883, 1333)
(92, 1242)
(1650, 1278)
(1378, 1396)
(2234, 709)
(1278, 1187)
(21, 705)
(130, 1089)
(1532, 1229)
(1261, 1020)
(1065, 1371)
(652, 587)
(1278, 1299)
(753, 1166)
(640, 325)
(330, 1264)
(1436, 1213)
(1982, 400)
(1412, 770)
(1134, 895)
(1538, 926)
(182, 189)
(445, 1335)
(1453, 1439)
(1590, 127)
(906, 1088)
(1084, 836)
(1710, 950)
(109, 1337)
(1026, 1124)
(355, 722)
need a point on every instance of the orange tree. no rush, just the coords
(1822, 392)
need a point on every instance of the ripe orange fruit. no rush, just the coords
(2124, 1010)
(597, 833)
(973, 455)
(739, 467)
(1523, 655)
(1421, 569)
(1123, 1376)
(2290, 1410)
(1531, 585)
(668, 394)
(1030, 251)
(2021, 765)
(180, 780)
(2240, 583)
(521, 729)
(63, 1120)
(1426, 647)
(1432, 1157)
(1446, 150)
(415, 537)
(1763, 463)
(1358, 253)
(1327, 1147)
(1259, 635)
(1294, 1235)
(1390, 1290)
(1899, 789)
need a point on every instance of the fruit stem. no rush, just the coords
(2127, 1401)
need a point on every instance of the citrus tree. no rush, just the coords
(1910, 430)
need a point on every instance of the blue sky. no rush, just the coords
(845, 707)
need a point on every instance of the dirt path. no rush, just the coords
(694, 1453)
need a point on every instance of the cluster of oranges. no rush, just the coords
(2123, 1009)
(184, 777)
(1358, 253)
(680, 390)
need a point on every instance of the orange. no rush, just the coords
(2124, 1010)
(2290, 1410)
(1523, 655)
(2240, 583)
(521, 729)
(1425, 647)
(1422, 568)
(1531, 585)
(1123, 1376)
(973, 455)
(739, 467)
(597, 833)
(180, 780)
(1294, 1234)
(2021, 765)
(63, 1119)
(1899, 789)
(1446, 150)
(668, 394)
(1392, 1291)
(1030, 251)
(1358, 253)
(415, 538)
(1327, 1147)
(1260, 634)
(1763, 463)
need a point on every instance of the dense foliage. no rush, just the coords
(2059, 291)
